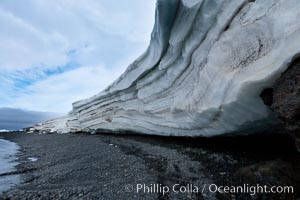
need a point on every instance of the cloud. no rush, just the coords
(42, 33)
(24, 46)
(53, 53)
(58, 92)
(15, 119)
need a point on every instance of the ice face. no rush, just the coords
(206, 65)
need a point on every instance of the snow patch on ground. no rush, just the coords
(33, 159)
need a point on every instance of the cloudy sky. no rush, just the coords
(55, 52)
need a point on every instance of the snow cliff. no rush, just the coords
(202, 74)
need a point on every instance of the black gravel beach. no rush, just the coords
(105, 166)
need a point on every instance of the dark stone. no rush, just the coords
(284, 99)
(267, 96)
(286, 95)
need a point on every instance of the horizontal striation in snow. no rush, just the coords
(202, 74)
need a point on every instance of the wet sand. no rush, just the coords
(82, 166)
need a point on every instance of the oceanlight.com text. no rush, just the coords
(211, 188)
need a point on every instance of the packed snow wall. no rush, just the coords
(202, 75)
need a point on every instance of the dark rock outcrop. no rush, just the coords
(284, 99)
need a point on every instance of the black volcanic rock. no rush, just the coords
(284, 99)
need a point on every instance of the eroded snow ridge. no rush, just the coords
(202, 74)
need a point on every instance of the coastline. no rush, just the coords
(8, 157)
(82, 166)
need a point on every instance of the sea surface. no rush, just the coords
(8, 151)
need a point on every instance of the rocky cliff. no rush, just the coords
(202, 75)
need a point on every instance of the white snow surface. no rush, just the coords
(202, 74)
(4, 131)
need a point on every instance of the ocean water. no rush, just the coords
(8, 163)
